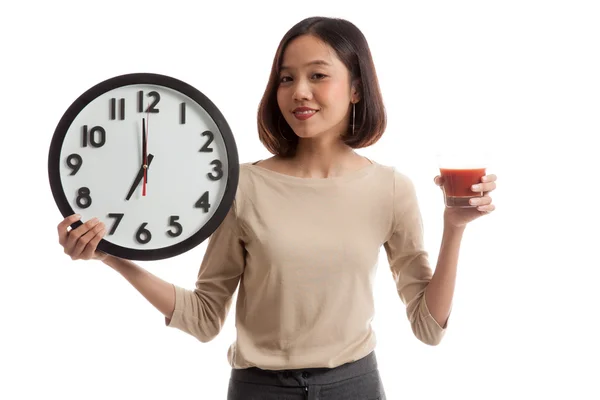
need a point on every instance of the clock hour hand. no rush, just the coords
(139, 177)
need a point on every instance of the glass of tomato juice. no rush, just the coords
(459, 172)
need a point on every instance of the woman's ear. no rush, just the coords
(356, 91)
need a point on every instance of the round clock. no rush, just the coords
(151, 157)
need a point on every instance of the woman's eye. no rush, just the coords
(319, 76)
(284, 79)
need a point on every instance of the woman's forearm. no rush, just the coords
(440, 290)
(159, 293)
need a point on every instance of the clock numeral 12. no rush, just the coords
(151, 107)
(113, 109)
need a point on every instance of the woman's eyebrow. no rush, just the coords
(314, 62)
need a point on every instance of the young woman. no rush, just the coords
(303, 235)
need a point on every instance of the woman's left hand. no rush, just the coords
(460, 217)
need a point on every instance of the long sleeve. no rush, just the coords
(202, 312)
(409, 261)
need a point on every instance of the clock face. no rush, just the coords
(152, 158)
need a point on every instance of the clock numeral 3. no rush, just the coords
(96, 136)
(218, 168)
(118, 218)
(83, 199)
(74, 161)
(143, 235)
(211, 137)
(178, 228)
(203, 202)
(152, 107)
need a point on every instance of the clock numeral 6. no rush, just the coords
(178, 228)
(96, 136)
(83, 198)
(203, 202)
(143, 235)
(218, 168)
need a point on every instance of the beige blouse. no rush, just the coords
(304, 253)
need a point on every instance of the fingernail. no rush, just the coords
(476, 187)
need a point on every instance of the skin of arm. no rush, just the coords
(440, 289)
(159, 293)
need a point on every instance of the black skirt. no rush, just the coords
(356, 380)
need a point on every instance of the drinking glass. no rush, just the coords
(460, 171)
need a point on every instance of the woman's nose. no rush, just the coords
(302, 91)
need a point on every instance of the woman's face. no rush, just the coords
(315, 92)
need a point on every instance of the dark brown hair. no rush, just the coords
(353, 50)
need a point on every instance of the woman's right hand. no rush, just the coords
(80, 243)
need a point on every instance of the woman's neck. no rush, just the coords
(323, 160)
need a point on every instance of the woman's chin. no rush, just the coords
(307, 133)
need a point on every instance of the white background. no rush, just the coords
(518, 78)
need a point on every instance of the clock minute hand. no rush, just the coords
(144, 145)
(139, 177)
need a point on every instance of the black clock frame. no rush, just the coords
(153, 79)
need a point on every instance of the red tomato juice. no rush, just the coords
(458, 182)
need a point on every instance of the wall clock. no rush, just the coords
(151, 157)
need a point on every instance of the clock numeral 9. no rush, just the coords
(74, 161)
(152, 107)
(203, 202)
(83, 199)
(96, 136)
(218, 168)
